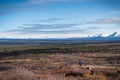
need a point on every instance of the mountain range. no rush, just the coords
(112, 38)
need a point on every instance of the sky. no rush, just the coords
(58, 18)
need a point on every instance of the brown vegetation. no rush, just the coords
(61, 66)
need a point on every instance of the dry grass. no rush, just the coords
(74, 72)
(67, 73)
(18, 73)
(61, 67)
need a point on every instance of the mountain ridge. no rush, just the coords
(112, 38)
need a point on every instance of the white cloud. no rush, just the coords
(30, 35)
(45, 28)
(115, 12)
(49, 20)
(106, 21)
(37, 2)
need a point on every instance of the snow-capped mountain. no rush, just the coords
(112, 38)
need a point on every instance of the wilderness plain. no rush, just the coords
(60, 62)
(59, 39)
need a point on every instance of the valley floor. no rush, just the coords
(60, 66)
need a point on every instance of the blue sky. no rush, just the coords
(58, 18)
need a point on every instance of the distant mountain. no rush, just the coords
(100, 35)
(114, 37)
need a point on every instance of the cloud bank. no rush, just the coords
(46, 1)
(106, 21)
(44, 28)
(49, 20)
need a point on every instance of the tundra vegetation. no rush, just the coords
(60, 62)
